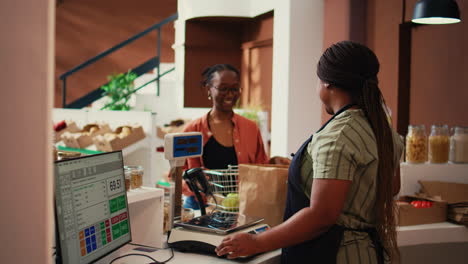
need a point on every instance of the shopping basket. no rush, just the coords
(225, 190)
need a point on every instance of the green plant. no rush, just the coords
(119, 89)
(250, 111)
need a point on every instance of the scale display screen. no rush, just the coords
(185, 146)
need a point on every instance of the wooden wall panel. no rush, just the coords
(438, 63)
(85, 28)
(208, 42)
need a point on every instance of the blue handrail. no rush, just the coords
(85, 64)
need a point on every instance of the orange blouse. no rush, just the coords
(248, 142)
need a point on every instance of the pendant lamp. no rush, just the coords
(436, 12)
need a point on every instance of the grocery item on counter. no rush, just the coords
(459, 145)
(136, 176)
(128, 179)
(187, 214)
(439, 144)
(231, 202)
(169, 189)
(167, 208)
(416, 144)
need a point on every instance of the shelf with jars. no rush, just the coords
(440, 147)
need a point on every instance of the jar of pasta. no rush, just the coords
(136, 176)
(459, 145)
(416, 144)
(439, 144)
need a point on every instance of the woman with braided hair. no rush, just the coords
(342, 180)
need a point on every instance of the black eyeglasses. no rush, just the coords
(225, 90)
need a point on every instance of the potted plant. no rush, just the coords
(250, 111)
(119, 89)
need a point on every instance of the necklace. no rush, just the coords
(222, 130)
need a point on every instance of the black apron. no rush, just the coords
(324, 248)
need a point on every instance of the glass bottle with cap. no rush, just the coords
(136, 176)
(459, 145)
(439, 144)
(416, 144)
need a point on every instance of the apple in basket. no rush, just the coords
(231, 202)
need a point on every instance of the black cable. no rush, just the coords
(167, 260)
(135, 254)
(144, 255)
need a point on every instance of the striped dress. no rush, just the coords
(346, 149)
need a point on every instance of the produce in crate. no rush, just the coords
(84, 138)
(60, 125)
(421, 204)
(64, 126)
(122, 137)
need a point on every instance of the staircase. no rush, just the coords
(143, 83)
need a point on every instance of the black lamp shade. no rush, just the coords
(436, 12)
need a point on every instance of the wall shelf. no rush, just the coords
(436, 233)
(432, 234)
(447, 172)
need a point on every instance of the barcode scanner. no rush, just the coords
(197, 182)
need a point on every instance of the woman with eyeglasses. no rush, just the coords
(228, 138)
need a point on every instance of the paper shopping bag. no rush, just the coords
(262, 191)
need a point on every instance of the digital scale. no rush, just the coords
(204, 233)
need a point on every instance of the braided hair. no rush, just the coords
(353, 68)
(209, 72)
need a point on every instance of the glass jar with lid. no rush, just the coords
(128, 178)
(136, 176)
(416, 144)
(439, 144)
(459, 145)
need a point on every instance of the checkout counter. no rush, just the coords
(272, 257)
(146, 216)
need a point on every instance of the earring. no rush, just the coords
(209, 97)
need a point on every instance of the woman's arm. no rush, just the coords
(327, 200)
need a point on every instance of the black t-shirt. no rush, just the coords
(217, 156)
